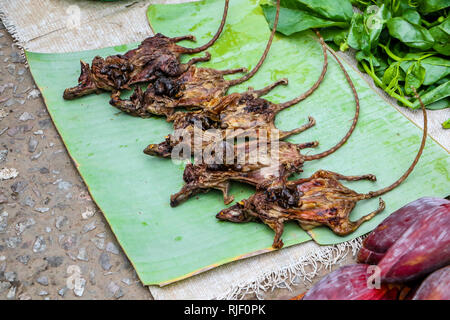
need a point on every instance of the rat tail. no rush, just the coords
(216, 36)
(355, 118)
(317, 83)
(411, 168)
(264, 56)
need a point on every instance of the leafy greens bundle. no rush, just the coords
(399, 43)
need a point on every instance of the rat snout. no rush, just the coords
(151, 149)
(233, 214)
(163, 150)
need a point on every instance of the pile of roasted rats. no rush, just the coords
(195, 99)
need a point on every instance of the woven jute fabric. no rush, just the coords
(75, 25)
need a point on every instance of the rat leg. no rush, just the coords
(193, 61)
(381, 207)
(285, 134)
(188, 37)
(350, 226)
(233, 71)
(133, 106)
(186, 192)
(225, 188)
(266, 90)
(330, 174)
(278, 227)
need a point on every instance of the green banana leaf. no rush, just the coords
(167, 244)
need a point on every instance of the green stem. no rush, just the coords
(432, 24)
(390, 53)
(425, 56)
(397, 58)
(380, 83)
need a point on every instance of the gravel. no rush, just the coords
(111, 247)
(105, 261)
(48, 221)
(54, 261)
(42, 280)
(39, 244)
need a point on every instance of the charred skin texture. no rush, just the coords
(200, 178)
(351, 283)
(196, 88)
(185, 124)
(243, 114)
(156, 57)
(320, 200)
(393, 227)
(423, 248)
(435, 287)
(190, 90)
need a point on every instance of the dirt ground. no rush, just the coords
(52, 235)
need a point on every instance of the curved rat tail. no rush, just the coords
(264, 56)
(419, 153)
(216, 36)
(355, 118)
(317, 83)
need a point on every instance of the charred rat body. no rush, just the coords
(288, 160)
(190, 90)
(315, 201)
(196, 88)
(237, 115)
(157, 56)
(283, 160)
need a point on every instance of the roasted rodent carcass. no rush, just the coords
(240, 115)
(197, 88)
(157, 56)
(315, 201)
(283, 163)
(255, 167)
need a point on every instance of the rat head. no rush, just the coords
(235, 213)
(163, 149)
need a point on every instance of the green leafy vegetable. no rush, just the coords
(340, 10)
(436, 69)
(436, 94)
(413, 35)
(399, 43)
(446, 124)
(358, 38)
(441, 35)
(411, 16)
(292, 21)
(415, 75)
(428, 6)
